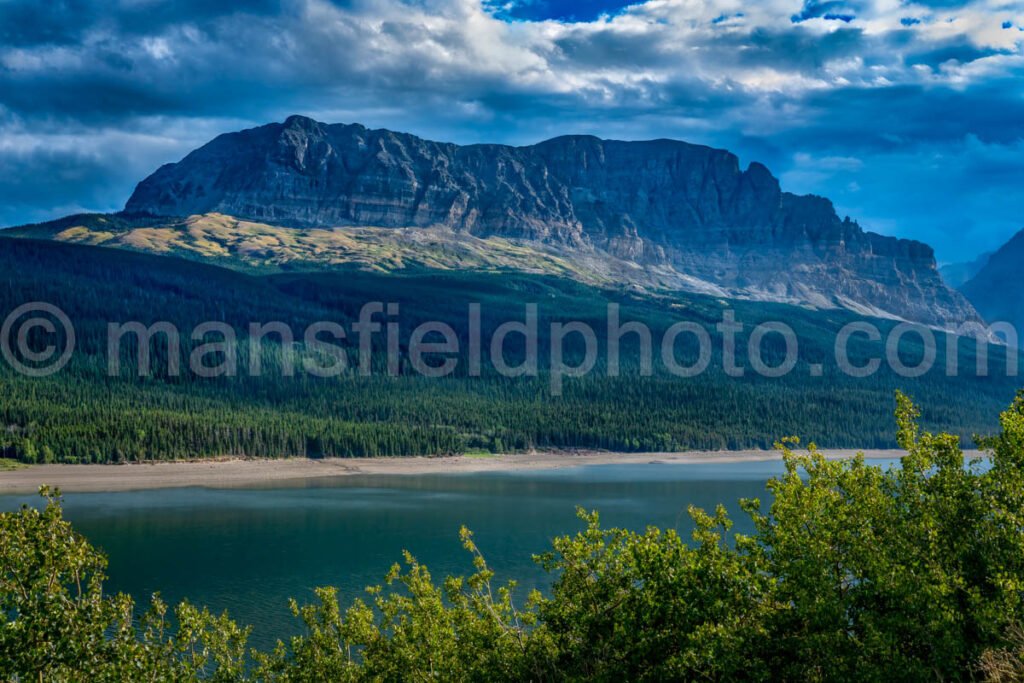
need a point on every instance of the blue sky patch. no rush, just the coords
(559, 10)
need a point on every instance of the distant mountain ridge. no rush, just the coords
(956, 275)
(659, 204)
(996, 290)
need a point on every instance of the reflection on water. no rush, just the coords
(249, 550)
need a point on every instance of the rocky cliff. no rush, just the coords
(660, 203)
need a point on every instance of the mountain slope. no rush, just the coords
(956, 275)
(995, 290)
(246, 245)
(658, 203)
(83, 415)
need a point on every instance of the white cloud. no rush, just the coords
(655, 51)
(120, 88)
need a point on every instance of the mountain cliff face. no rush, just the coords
(660, 203)
(995, 290)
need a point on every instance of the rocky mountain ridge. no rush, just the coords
(659, 204)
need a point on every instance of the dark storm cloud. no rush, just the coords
(66, 22)
(961, 52)
(31, 182)
(835, 96)
(907, 115)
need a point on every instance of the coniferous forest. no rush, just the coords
(83, 414)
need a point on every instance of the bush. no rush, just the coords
(853, 573)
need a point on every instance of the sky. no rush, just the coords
(909, 116)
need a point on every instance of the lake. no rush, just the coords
(249, 550)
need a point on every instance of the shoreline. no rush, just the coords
(227, 473)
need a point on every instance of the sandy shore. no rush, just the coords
(230, 473)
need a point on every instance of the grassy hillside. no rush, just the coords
(230, 242)
(81, 414)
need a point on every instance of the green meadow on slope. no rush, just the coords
(247, 245)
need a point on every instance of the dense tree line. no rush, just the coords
(83, 415)
(852, 573)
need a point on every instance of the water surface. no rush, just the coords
(249, 550)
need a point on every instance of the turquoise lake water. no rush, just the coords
(249, 550)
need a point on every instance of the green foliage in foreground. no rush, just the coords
(852, 574)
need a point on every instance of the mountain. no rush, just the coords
(687, 212)
(995, 290)
(956, 275)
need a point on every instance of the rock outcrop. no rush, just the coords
(659, 203)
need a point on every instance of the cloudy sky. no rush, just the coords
(908, 115)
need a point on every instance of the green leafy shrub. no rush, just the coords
(853, 573)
